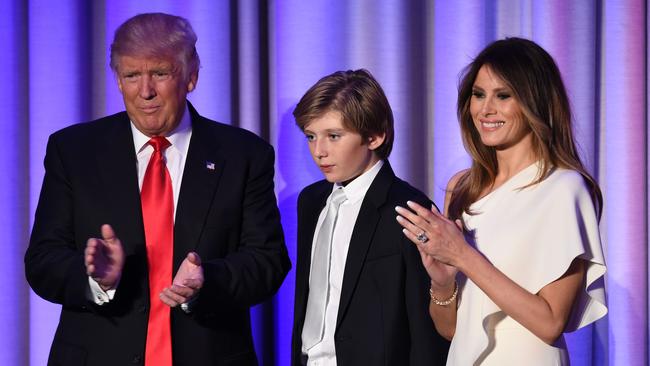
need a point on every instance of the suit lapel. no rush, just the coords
(203, 168)
(363, 234)
(119, 176)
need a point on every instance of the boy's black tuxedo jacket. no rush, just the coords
(383, 315)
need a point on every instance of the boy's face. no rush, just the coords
(341, 154)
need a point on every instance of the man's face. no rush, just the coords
(154, 93)
(340, 154)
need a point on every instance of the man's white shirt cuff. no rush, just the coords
(97, 295)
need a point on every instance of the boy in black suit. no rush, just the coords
(361, 291)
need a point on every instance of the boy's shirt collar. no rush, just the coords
(357, 188)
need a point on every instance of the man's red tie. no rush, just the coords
(157, 214)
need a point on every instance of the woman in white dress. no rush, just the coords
(516, 260)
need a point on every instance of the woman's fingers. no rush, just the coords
(421, 218)
(410, 229)
(412, 237)
(420, 211)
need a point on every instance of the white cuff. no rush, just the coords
(97, 294)
(188, 306)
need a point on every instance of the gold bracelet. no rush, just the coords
(444, 302)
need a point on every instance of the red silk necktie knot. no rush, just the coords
(159, 143)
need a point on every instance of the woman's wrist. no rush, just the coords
(464, 256)
(442, 290)
(443, 297)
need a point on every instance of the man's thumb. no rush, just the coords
(194, 258)
(107, 233)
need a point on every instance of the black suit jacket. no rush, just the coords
(383, 316)
(228, 215)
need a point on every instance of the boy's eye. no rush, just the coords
(310, 137)
(334, 136)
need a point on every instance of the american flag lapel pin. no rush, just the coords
(209, 165)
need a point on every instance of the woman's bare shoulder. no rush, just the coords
(454, 180)
(451, 185)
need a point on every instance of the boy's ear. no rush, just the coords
(374, 141)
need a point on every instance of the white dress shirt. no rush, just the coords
(175, 156)
(324, 352)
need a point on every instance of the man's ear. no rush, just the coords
(194, 78)
(374, 141)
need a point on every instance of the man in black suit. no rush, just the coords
(361, 291)
(91, 248)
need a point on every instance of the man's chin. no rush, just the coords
(151, 128)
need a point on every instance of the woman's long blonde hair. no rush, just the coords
(535, 80)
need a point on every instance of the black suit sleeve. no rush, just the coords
(257, 268)
(426, 343)
(302, 279)
(54, 264)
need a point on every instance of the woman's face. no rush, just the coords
(496, 113)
